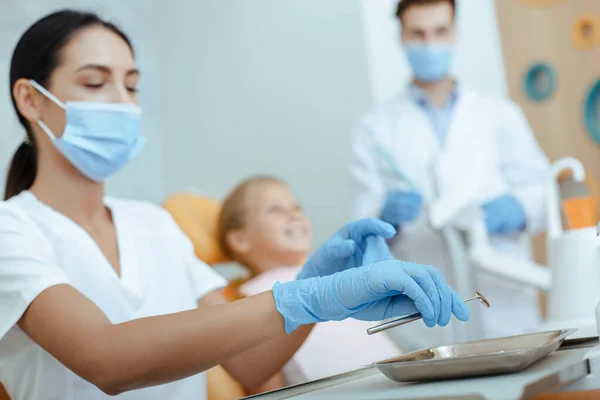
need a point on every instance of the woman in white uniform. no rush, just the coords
(101, 296)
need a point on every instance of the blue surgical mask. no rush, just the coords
(429, 62)
(99, 138)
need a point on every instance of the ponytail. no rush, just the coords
(22, 171)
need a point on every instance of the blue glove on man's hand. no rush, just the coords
(401, 207)
(371, 293)
(346, 248)
(504, 215)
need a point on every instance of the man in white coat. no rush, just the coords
(437, 137)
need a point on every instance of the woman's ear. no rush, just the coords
(238, 241)
(27, 99)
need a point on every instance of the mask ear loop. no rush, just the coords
(54, 99)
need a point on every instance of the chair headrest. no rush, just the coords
(198, 217)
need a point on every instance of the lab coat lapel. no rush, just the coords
(469, 160)
(416, 146)
(459, 164)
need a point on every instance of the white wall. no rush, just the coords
(263, 87)
(242, 87)
(478, 60)
(143, 178)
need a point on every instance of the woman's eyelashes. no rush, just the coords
(98, 86)
(94, 86)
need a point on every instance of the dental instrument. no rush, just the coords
(417, 316)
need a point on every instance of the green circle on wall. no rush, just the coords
(591, 110)
(540, 82)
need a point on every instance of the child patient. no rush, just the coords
(263, 227)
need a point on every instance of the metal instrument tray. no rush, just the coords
(482, 357)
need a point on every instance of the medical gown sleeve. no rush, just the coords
(368, 188)
(26, 265)
(523, 164)
(202, 277)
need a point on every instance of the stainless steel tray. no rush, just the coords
(483, 357)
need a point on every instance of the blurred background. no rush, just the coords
(244, 87)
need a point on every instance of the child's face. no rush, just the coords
(276, 232)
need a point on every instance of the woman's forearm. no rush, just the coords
(266, 359)
(148, 351)
(197, 340)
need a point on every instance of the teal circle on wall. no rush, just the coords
(591, 112)
(540, 82)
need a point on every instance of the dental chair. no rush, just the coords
(197, 217)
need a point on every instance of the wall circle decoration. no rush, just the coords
(542, 3)
(585, 32)
(591, 112)
(540, 82)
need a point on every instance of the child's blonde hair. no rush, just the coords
(235, 209)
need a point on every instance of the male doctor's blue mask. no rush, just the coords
(429, 62)
(99, 138)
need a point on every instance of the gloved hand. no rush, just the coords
(371, 293)
(377, 250)
(401, 207)
(346, 248)
(504, 215)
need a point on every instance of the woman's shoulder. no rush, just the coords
(15, 211)
(18, 221)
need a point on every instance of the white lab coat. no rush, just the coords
(489, 151)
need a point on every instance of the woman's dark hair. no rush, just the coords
(36, 56)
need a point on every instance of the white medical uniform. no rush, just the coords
(40, 248)
(490, 151)
(332, 347)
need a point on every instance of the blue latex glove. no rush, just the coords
(377, 250)
(504, 215)
(346, 248)
(371, 293)
(401, 207)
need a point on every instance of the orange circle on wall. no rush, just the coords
(585, 32)
(542, 3)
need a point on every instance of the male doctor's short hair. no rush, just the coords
(404, 5)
